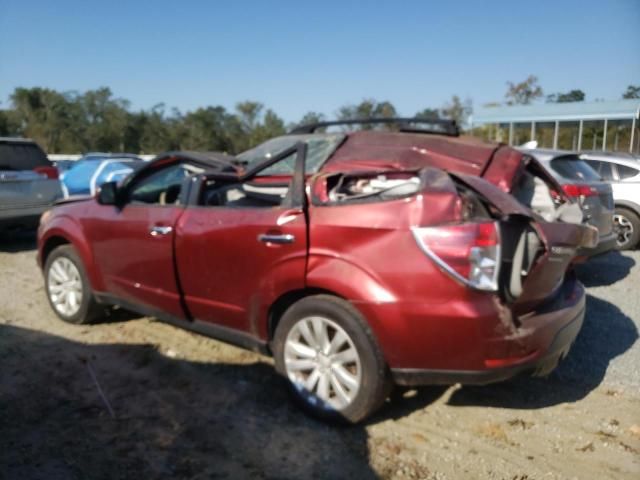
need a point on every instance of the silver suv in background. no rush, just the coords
(623, 172)
(28, 183)
(583, 184)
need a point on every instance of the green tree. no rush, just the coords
(106, 120)
(157, 131)
(8, 124)
(205, 129)
(523, 93)
(367, 109)
(633, 91)
(458, 110)
(47, 116)
(311, 117)
(429, 114)
(570, 96)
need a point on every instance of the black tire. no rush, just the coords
(627, 225)
(89, 310)
(375, 383)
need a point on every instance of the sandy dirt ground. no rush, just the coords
(185, 406)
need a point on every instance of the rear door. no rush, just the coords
(240, 247)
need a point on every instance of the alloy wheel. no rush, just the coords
(623, 228)
(64, 286)
(323, 363)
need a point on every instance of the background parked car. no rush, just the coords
(28, 182)
(582, 183)
(63, 165)
(94, 169)
(623, 172)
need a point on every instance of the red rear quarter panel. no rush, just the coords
(366, 253)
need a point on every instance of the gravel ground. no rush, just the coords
(185, 406)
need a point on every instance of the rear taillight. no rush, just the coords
(49, 172)
(576, 191)
(469, 252)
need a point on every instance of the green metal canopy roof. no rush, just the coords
(551, 112)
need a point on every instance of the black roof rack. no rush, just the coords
(437, 126)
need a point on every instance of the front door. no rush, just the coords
(133, 245)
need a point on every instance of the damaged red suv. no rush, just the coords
(357, 259)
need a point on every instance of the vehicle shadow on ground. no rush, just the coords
(605, 270)
(173, 418)
(13, 241)
(606, 333)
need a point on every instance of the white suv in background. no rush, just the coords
(623, 171)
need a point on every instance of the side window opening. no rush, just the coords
(267, 186)
(625, 172)
(164, 186)
(224, 193)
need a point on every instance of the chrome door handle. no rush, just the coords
(275, 238)
(155, 231)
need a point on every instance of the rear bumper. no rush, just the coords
(476, 340)
(605, 244)
(537, 366)
(22, 217)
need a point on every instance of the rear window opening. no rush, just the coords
(17, 155)
(572, 167)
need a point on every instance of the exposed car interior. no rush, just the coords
(218, 193)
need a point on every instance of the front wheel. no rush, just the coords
(330, 358)
(68, 288)
(626, 224)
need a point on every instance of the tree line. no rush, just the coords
(96, 120)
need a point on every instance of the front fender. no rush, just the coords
(68, 228)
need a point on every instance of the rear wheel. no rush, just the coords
(68, 288)
(332, 363)
(627, 227)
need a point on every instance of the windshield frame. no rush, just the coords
(286, 142)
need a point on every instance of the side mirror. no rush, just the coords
(108, 194)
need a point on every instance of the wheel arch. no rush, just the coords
(65, 231)
(50, 245)
(634, 207)
(284, 301)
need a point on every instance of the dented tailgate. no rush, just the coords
(554, 243)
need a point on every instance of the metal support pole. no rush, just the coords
(604, 136)
(533, 131)
(511, 134)
(580, 135)
(633, 131)
(555, 135)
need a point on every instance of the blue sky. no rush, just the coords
(301, 56)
